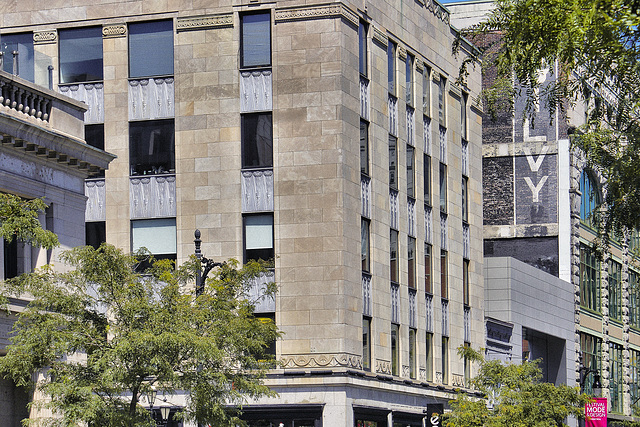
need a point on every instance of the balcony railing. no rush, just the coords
(393, 115)
(91, 94)
(262, 302)
(152, 196)
(23, 99)
(151, 98)
(429, 312)
(257, 190)
(393, 205)
(365, 193)
(256, 93)
(366, 294)
(94, 189)
(364, 98)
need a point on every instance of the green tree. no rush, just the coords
(106, 335)
(514, 397)
(19, 220)
(597, 46)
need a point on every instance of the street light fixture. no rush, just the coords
(209, 265)
(164, 412)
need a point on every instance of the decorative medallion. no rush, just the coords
(110, 31)
(45, 37)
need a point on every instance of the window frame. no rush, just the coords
(23, 45)
(145, 164)
(392, 79)
(63, 50)
(395, 349)
(365, 245)
(411, 172)
(363, 49)
(393, 162)
(444, 274)
(245, 256)
(411, 263)
(428, 268)
(139, 47)
(256, 64)
(443, 187)
(364, 147)
(409, 79)
(256, 162)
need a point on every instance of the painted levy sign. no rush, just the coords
(595, 413)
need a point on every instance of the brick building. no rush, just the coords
(538, 198)
(241, 119)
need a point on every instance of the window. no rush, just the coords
(442, 101)
(393, 162)
(152, 147)
(443, 187)
(616, 380)
(362, 48)
(411, 181)
(426, 91)
(269, 318)
(445, 360)
(391, 63)
(80, 54)
(427, 268)
(365, 247)
(634, 374)
(151, 49)
(255, 40)
(444, 272)
(429, 355)
(412, 353)
(393, 256)
(94, 136)
(615, 290)
(591, 349)
(427, 179)
(364, 147)
(590, 199)
(23, 44)
(257, 140)
(634, 299)
(465, 281)
(409, 79)
(11, 258)
(366, 343)
(258, 237)
(589, 279)
(95, 233)
(395, 349)
(465, 199)
(411, 261)
(157, 235)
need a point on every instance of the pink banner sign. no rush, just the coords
(595, 413)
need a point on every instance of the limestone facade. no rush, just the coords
(314, 193)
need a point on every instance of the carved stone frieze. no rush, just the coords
(402, 53)
(380, 37)
(383, 367)
(406, 372)
(332, 10)
(112, 31)
(438, 10)
(422, 374)
(321, 360)
(224, 20)
(45, 37)
(457, 380)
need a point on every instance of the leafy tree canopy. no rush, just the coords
(597, 46)
(515, 397)
(106, 335)
(19, 219)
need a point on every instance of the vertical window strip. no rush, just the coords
(429, 313)
(615, 290)
(616, 377)
(395, 303)
(589, 279)
(413, 315)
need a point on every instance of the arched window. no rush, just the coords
(590, 198)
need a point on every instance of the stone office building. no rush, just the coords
(331, 137)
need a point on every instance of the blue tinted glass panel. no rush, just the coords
(256, 40)
(23, 44)
(80, 54)
(151, 49)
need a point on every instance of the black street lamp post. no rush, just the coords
(201, 276)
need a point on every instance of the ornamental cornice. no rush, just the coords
(45, 37)
(331, 10)
(380, 37)
(438, 10)
(321, 360)
(113, 31)
(223, 20)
